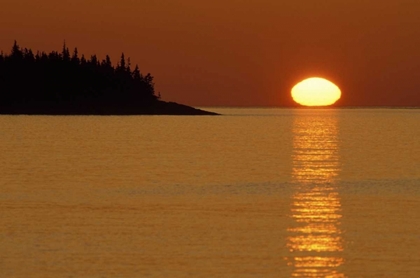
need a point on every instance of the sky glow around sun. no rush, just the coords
(201, 53)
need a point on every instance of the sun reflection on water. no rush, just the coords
(315, 238)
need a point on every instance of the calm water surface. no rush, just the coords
(252, 193)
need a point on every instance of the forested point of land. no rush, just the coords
(62, 83)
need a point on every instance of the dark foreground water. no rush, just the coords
(253, 193)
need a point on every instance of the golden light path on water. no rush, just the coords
(315, 239)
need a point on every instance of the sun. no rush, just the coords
(316, 91)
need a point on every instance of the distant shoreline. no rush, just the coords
(61, 83)
(111, 109)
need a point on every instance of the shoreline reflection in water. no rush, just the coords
(314, 240)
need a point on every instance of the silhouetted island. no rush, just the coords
(65, 84)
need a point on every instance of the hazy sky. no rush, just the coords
(231, 52)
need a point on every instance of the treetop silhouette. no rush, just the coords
(64, 83)
(63, 77)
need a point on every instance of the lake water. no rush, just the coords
(252, 193)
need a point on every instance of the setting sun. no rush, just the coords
(316, 91)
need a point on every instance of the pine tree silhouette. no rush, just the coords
(62, 79)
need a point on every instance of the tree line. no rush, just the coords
(58, 78)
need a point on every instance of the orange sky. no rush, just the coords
(231, 52)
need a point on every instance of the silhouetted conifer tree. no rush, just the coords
(16, 53)
(65, 53)
(75, 57)
(136, 74)
(83, 60)
(121, 65)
